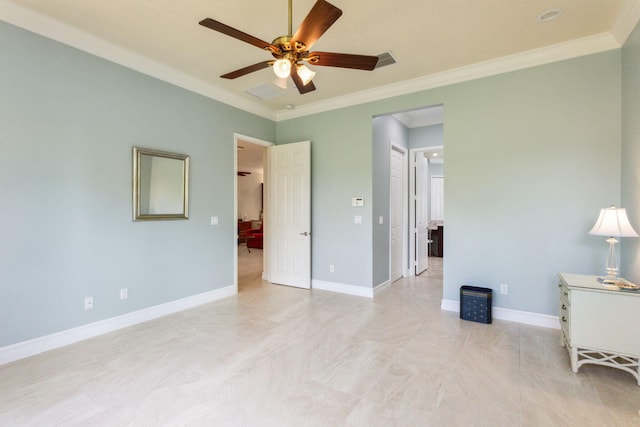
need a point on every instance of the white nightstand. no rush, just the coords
(600, 324)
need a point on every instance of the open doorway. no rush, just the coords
(427, 211)
(250, 209)
(420, 134)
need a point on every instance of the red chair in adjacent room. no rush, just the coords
(256, 241)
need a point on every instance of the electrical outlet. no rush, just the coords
(504, 289)
(331, 268)
(88, 303)
(124, 294)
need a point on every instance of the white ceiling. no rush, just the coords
(435, 42)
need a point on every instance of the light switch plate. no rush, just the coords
(357, 219)
(214, 220)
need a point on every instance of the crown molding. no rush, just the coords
(531, 58)
(68, 35)
(627, 21)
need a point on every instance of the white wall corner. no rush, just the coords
(381, 286)
(342, 288)
(39, 345)
(627, 21)
(524, 317)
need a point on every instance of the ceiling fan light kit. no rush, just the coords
(305, 74)
(291, 52)
(282, 68)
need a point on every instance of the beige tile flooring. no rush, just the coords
(278, 356)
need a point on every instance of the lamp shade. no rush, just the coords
(613, 222)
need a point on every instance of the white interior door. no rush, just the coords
(396, 209)
(421, 213)
(290, 214)
(437, 198)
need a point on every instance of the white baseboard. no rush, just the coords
(382, 286)
(359, 291)
(35, 346)
(525, 317)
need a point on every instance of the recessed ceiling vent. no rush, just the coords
(264, 92)
(385, 59)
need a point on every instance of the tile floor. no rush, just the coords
(278, 356)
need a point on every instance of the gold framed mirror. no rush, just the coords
(160, 185)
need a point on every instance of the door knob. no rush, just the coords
(305, 234)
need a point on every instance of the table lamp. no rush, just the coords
(612, 222)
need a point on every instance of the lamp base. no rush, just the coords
(608, 280)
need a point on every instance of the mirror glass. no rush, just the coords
(160, 185)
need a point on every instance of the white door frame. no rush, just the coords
(237, 137)
(412, 209)
(405, 202)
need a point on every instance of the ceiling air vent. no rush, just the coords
(264, 92)
(385, 59)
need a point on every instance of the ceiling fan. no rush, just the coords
(291, 52)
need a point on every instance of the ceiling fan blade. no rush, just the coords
(237, 34)
(321, 16)
(246, 70)
(343, 60)
(302, 88)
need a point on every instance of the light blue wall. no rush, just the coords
(68, 122)
(551, 136)
(426, 136)
(630, 259)
(531, 157)
(341, 168)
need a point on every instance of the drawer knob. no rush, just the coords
(564, 307)
(564, 319)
